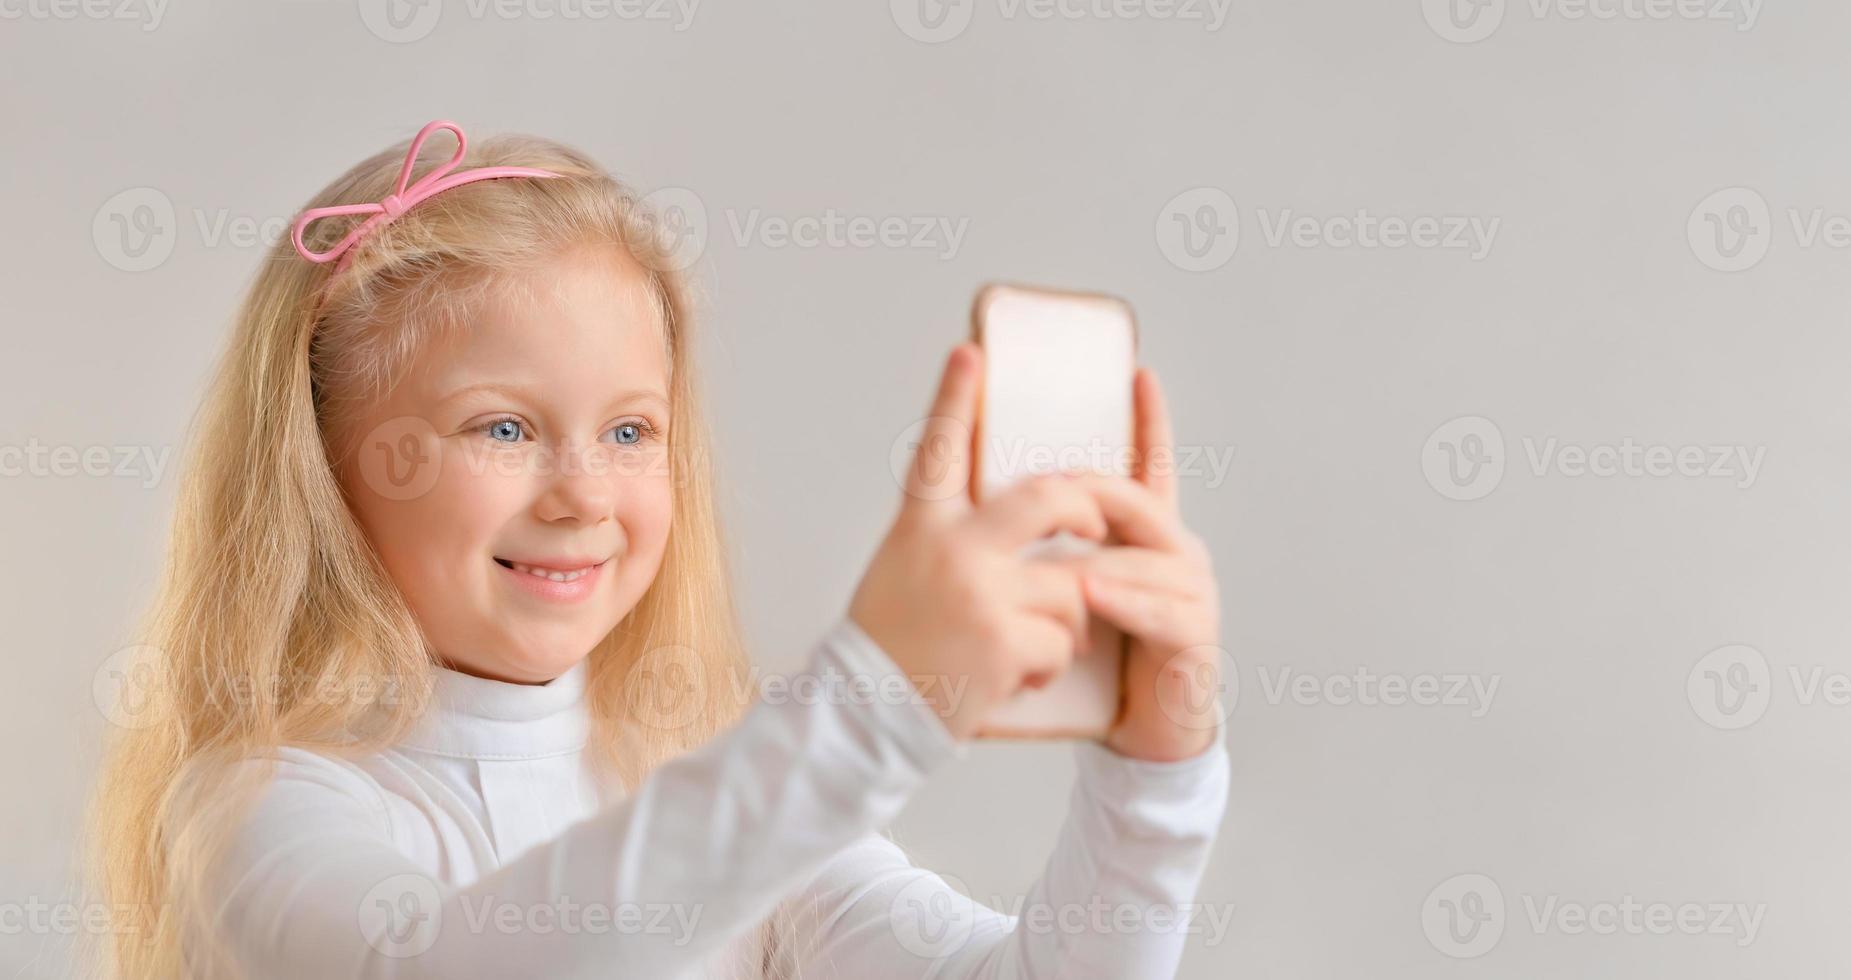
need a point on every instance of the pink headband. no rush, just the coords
(402, 197)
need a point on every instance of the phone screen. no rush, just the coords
(1056, 396)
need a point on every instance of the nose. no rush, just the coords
(579, 488)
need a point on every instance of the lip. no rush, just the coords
(546, 588)
(554, 564)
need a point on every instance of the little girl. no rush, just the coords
(449, 680)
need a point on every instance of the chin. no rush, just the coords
(530, 668)
(545, 661)
(535, 657)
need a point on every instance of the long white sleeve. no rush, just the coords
(313, 885)
(1111, 902)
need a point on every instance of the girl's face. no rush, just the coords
(535, 441)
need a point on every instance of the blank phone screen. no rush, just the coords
(1057, 396)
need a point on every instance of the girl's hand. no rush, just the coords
(948, 595)
(1158, 586)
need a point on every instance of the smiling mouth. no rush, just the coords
(550, 574)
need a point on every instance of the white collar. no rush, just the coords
(477, 718)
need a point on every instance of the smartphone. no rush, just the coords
(1056, 395)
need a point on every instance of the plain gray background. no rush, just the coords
(1664, 182)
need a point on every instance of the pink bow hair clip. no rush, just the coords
(402, 197)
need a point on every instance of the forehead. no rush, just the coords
(588, 322)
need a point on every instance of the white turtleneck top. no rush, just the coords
(485, 845)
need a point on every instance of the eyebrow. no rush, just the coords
(523, 392)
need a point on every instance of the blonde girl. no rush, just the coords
(447, 670)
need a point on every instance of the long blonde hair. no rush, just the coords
(270, 586)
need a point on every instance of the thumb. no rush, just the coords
(940, 474)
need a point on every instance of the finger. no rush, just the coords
(1032, 509)
(1053, 590)
(1156, 442)
(940, 474)
(1156, 570)
(1147, 614)
(1046, 649)
(1186, 686)
(1133, 513)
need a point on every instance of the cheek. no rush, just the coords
(431, 541)
(471, 503)
(646, 513)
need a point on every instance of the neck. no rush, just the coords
(485, 717)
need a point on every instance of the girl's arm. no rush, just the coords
(1112, 900)
(313, 884)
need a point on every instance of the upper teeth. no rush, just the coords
(550, 573)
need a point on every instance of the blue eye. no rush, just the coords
(510, 430)
(631, 433)
(504, 430)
